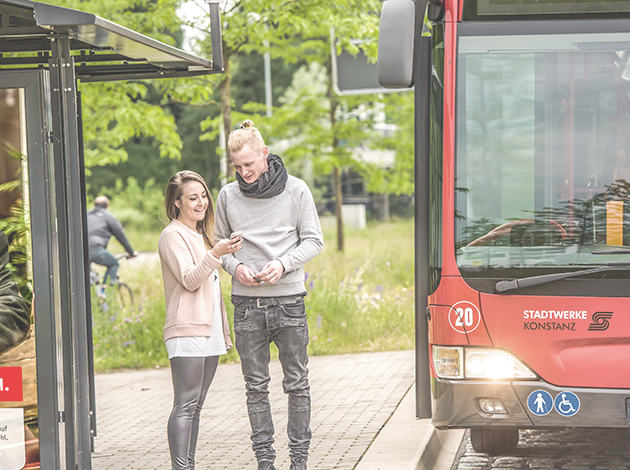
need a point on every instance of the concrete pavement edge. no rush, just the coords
(407, 443)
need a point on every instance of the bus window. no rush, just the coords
(543, 152)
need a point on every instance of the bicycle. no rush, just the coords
(124, 295)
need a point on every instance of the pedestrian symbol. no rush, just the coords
(540, 402)
(567, 403)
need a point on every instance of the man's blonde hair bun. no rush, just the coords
(246, 134)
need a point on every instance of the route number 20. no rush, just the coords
(464, 317)
(466, 314)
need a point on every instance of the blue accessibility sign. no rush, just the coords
(567, 403)
(540, 402)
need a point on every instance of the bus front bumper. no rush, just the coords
(457, 404)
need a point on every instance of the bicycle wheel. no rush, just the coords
(125, 296)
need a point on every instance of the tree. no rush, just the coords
(301, 30)
(399, 179)
(287, 29)
(115, 112)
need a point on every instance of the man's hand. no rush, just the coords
(272, 272)
(245, 276)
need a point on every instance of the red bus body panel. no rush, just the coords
(449, 264)
(562, 338)
(452, 294)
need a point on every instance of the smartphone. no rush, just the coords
(238, 234)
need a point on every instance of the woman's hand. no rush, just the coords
(226, 246)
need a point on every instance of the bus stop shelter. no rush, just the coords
(45, 51)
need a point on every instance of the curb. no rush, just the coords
(407, 443)
(441, 450)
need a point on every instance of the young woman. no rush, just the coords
(196, 329)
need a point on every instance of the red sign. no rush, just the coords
(11, 384)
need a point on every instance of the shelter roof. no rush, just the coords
(102, 50)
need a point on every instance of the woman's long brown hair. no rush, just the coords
(174, 192)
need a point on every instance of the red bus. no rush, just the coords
(523, 210)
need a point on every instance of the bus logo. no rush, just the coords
(464, 317)
(600, 321)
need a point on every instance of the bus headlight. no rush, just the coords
(478, 363)
(494, 364)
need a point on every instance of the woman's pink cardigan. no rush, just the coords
(186, 269)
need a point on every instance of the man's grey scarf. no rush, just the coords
(269, 184)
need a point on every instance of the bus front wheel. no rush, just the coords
(493, 441)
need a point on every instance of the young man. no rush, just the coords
(277, 217)
(102, 225)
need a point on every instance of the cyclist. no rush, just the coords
(102, 225)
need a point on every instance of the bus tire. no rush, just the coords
(493, 441)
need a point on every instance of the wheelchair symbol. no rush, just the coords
(567, 403)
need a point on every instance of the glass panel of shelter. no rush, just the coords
(19, 414)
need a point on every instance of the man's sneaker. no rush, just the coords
(266, 465)
(298, 464)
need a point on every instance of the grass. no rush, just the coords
(358, 300)
(363, 299)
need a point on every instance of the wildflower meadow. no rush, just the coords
(358, 300)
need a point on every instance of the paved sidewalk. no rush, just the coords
(353, 397)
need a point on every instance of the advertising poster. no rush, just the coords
(19, 430)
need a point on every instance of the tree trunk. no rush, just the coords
(338, 207)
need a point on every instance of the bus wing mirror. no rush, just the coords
(395, 44)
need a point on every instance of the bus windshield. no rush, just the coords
(542, 147)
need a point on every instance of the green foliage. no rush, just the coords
(17, 229)
(247, 85)
(130, 337)
(363, 299)
(311, 118)
(140, 211)
(321, 128)
(360, 300)
(399, 179)
(116, 112)
(133, 337)
(305, 126)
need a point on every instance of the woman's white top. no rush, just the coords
(202, 346)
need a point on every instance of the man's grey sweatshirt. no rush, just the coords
(285, 227)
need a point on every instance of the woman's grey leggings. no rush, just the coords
(192, 377)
